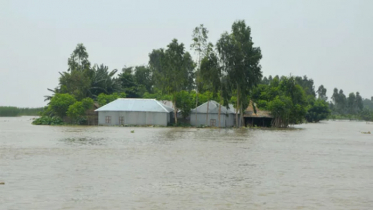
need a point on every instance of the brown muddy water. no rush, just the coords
(314, 166)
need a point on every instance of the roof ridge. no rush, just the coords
(160, 105)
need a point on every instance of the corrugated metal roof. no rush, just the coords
(213, 108)
(135, 105)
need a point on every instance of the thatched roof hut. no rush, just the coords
(255, 117)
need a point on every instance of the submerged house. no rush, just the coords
(135, 111)
(256, 117)
(227, 116)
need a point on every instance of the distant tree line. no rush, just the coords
(10, 111)
(228, 71)
(351, 107)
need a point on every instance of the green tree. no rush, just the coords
(240, 60)
(77, 111)
(60, 103)
(359, 102)
(173, 68)
(102, 81)
(185, 101)
(143, 78)
(210, 73)
(321, 92)
(78, 60)
(280, 108)
(128, 83)
(339, 101)
(80, 80)
(157, 65)
(317, 111)
(104, 99)
(199, 45)
(307, 85)
(351, 104)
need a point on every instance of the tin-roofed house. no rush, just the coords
(227, 116)
(135, 111)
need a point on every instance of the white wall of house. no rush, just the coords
(225, 120)
(133, 118)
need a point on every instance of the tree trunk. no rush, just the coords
(207, 113)
(237, 107)
(175, 112)
(219, 115)
(196, 105)
(241, 115)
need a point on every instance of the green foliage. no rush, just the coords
(158, 95)
(317, 111)
(240, 61)
(366, 115)
(284, 97)
(341, 105)
(281, 108)
(185, 101)
(128, 82)
(46, 120)
(102, 81)
(173, 70)
(143, 78)
(321, 92)
(81, 80)
(9, 111)
(368, 104)
(60, 103)
(104, 99)
(77, 111)
(307, 85)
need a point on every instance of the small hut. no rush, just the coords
(255, 117)
(227, 116)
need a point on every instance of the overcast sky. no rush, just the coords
(330, 41)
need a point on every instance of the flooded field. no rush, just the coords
(313, 166)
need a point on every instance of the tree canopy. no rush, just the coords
(228, 71)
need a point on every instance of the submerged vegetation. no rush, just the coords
(227, 72)
(45, 120)
(10, 111)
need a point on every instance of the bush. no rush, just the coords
(60, 103)
(45, 120)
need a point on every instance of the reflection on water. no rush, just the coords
(83, 141)
(313, 166)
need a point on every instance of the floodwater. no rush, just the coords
(313, 166)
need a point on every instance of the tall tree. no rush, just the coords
(359, 102)
(173, 70)
(199, 46)
(78, 60)
(157, 64)
(240, 61)
(211, 74)
(307, 85)
(128, 82)
(143, 77)
(351, 103)
(81, 81)
(321, 92)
